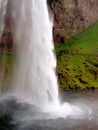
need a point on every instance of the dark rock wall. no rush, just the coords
(72, 16)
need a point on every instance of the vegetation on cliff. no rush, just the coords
(6, 70)
(78, 60)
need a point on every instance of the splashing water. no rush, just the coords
(36, 80)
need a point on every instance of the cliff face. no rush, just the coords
(72, 16)
(6, 41)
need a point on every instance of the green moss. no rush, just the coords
(6, 70)
(77, 60)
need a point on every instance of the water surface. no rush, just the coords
(16, 115)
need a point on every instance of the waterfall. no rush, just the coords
(36, 79)
(3, 5)
(3, 9)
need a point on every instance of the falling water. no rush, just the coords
(3, 9)
(35, 78)
(3, 5)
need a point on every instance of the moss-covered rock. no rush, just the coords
(77, 63)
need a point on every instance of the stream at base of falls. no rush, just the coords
(18, 115)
